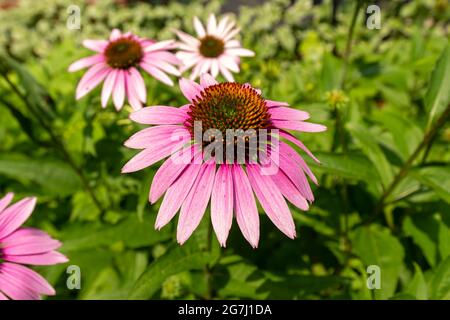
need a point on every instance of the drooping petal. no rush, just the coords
(194, 206)
(176, 194)
(300, 144)
(108, 86)
(245, 206)
(229, 63)
(222, 203)
(287, 150)
(289, 190)
(15, 288)
(15, 215)
(169, 171)
(132, 95)
(157, 73)
(29, 278)
(271, 200)
(91, 79)
(159, 115)
(226, 73)
(119, 90)
(138, 84)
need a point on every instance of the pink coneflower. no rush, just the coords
(117, 61)
(230, 184)
(215, 50)
(23, 246)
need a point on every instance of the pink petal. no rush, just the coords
(5, 201)
(284, 113)
(115, 34)
(222, 25)
(162, 45)
(195, 204)
(108, 86)
(294, 140)
(31, 245)
(43, 259)
(289, 190)
(245, 206)
(227, 74)
(138, 84)
(190, 40)
(212, 24)
(119, 90)
(157, 73)
(175, 195)
(3, 297)
(154, 135)
(240, 52)
(14, 216)
(231, 34)
(215, 68)
(229, 63)
(162, 55)
(86, 62)
(299, 126)
(222, 203)
(169, 171)
(272, 103)
(91, 79)
(271, 200)
(290, 152)
(159, 115)
(164, 66)
(29, 278)
(95, 45)
(198, 26)
(207, 80)
(190, 89)
(15, 288)
(133, 98)
(153, 154)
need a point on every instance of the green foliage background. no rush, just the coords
(379, 108)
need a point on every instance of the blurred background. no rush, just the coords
(384, 193)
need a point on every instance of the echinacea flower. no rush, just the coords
(229, 183)
(118, 62)
(19, 246)
(215, 50)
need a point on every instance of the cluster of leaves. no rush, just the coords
(384, 193)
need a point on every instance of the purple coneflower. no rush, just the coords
(215, 50)
(230, 184)
(118, 61)
(20, 246)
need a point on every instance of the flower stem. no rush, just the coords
(57, 143)
(208, 269)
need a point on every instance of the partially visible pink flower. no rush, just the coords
(118, 62)
(20, 246)
(229, 183)
(214, 50)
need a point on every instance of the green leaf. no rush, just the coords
(191, 256)
(373, 151)
(417, 287)
(405, 133)
(437, 178)
(438, 94)
(331, 74)
(440, 282)
(53, 176)
(376, 246)
(350, 166)
(132, 233)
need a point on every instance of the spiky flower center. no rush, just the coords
(211, 47)
(123, 53)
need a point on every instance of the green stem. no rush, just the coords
(348, 46)
(58, 144)
(426, 142)
(208, 268)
